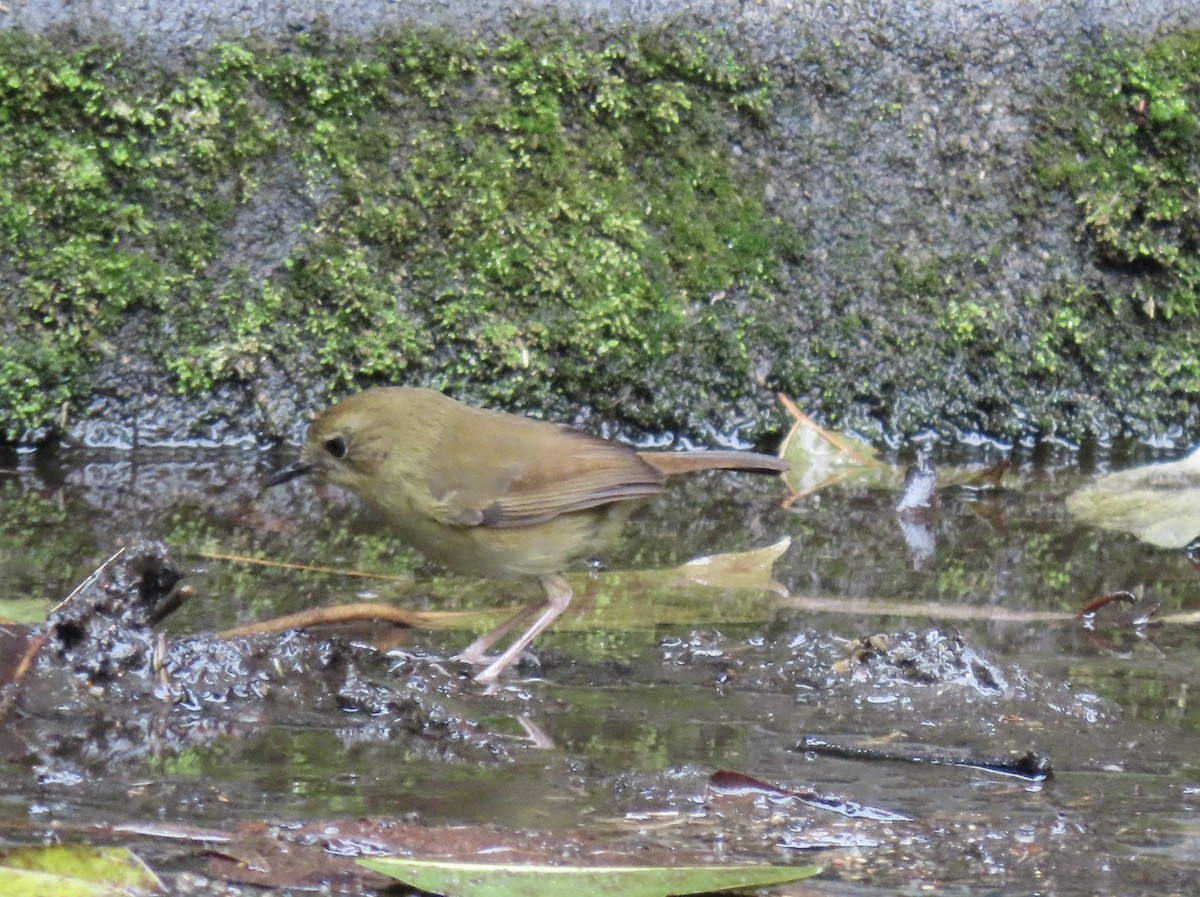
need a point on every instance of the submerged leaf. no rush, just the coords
(646, 599)
(618, 598)
(738, 570)
(457, 879)
(1157, 503)
(75, 870)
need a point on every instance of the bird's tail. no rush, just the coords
(670, 463)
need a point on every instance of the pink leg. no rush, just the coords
(476, 652)
(558, 597)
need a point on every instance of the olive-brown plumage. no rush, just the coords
(491, 494)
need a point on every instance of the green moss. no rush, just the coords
(1125, 147)
(549, 214)
(993, 336)
(546, 211)
(114, 185)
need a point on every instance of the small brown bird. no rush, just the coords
(492, 494)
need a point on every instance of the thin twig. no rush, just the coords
(89, 581)
(319, 616)
(878, 607)
(286, 565)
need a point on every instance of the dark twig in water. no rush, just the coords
(1104, 600)
(729, 782)
(1138, 612)
(1030, 765)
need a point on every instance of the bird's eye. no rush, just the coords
(336, 446)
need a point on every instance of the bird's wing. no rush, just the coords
(539, 472)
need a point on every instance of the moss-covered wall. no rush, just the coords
(639, 224)
(540, 216)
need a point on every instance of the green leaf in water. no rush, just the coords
(632, 599)
(458, 879)
(75, 870)
(738, 570)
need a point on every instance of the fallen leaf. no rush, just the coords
(24, 610)
(822, 459)
(738, 570)
(456, 879)
(75, 870)
(1157, 503)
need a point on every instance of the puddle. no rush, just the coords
(651, 688)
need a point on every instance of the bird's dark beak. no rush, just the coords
(299, 469)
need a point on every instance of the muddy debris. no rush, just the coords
(108, 687)
(933, 673)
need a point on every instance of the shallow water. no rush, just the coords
(656, 684)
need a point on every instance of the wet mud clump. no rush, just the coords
(104, 686)
(103, 632)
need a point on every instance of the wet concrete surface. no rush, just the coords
(175, 26)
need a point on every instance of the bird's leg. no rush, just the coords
(558, 596)
(476, 652)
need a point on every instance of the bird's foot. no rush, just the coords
(495, 664)
(476, 657)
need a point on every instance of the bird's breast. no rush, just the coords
(502, 552)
